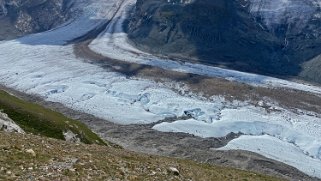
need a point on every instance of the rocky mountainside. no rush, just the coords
(20, 17)
(277, 38)
(29, 157)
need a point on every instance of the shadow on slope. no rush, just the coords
(20, 18)
(224, 33)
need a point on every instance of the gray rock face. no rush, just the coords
(20, 17)
(296, 13)
(71, 137)
(261, 36)
(6, 124)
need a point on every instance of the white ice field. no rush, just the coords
(43, 65)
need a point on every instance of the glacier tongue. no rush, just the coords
(282, 135)
(274, 148)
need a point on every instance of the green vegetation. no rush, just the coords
(35, 119)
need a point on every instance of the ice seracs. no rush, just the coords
(263, 133)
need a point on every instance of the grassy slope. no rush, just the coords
(58, 160)
(38, 120)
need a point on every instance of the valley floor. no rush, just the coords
(113, 81)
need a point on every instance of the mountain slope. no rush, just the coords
(33, 118)
(57, 160)
(260, 36)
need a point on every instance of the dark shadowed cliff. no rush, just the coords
(21, 17)
(267, 37)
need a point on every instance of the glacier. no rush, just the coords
(45, 65)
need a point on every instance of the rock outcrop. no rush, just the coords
(71, 137)
(260, 36)
(8, 125)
